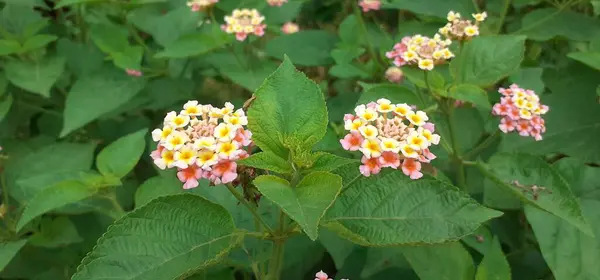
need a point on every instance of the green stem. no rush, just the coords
(276, 262)
(479, 148)
(243, 201)
(476, 6)
(503, 16)
(363, 28)
(81, 23)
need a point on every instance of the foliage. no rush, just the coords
(491, 174)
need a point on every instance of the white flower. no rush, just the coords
(225, 132)
(191, 108)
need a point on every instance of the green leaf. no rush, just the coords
(438, 8)
(307, 202)
(283, 14)
(209, 39)
(529, 78)
(306, 48)
(37, 41)
(121, 156)
(63, 3)
(165, 28)
(169, 238)
(53, 197)
(130, 58)
(571, 254)
(545, 24)
(417, 76)
(531, 170)
(487, 59)
(268, 161)
(9, 47)
(328, 162)
(339, 248)
(156, 187)
(591, 59)
(8, 250)
(109, 38)
(391, 209)
(82, 59)
(289, 112)
(449, 261)
(470, 93)
(95, 95)
(56, 232)
(494, 265)
(38, 77)
(5, 106)
(242, 70)
(395, 93)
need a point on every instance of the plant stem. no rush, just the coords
(242, 200)
(277, 254)
(363, 28)
(503, 16)
(479, 148)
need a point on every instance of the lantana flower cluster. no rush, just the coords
(323, 276)
(202, 141)
(368, 5)
(290, 28)
(244, 22)
(390, 135)
(198, 5)
(458, 28)
(422, 51)
(277, 3)
(522, 111)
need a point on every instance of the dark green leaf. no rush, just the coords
(121, 156)
(56, 233)
(268, 161)
(307, 48)
(8, 250)
(211, 38)
(591, 59)
(37, 41)
(472, 94)
(449, 261)
(545, 24)
(38, 77)
(494, 265)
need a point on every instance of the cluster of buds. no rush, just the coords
(290, 28)
(394, 74)
(202, 142)
(243, 23)
(462, 29)
(535, 190)
(521, 110)
(422, 51)
(133, 72)
(390, 135)
(277, 3)
(199, 5)
(323, 276)
(368, 5)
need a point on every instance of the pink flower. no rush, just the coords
(349, 117)
(459, 103)
(277, 3)
(133, 72)
(156, 154)
(521, 111)
(189, 176)
(241, 36)
(370, 166)
(322, 276)
(507, 125)
(290, 28)
(225, 172)
(352, 141)
(389, 159)
(523, 128)
(412, 168)
(244, 137)
(368, 5)
(394, 75)
(243, 23)
(429, 126)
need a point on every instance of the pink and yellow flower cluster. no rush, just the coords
(202, 141)
(198, 5)
(323, 276)
(422, 51)
(244, 22)
(522, 111)
(368, 5)
(277, 3)
(462, 29)
(390, 135)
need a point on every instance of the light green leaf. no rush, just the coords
(156, 187)
(438, 8)
(449, 261)
(591, 59)
(487, 59)
(417, 76)
(56, 232)
(307, 202)
(289, 112)
(165, 28)
(529, 78)
(36, 77)
(307, 48)
(9, 47)
(391, 209)
(8, 250)
(241, 69)
(37, 41)
(82, 59)
(494, 265)
(545, 24)
(210, 38)
(531, 170)
(268, 161)
(95, 95)
(571, 254)
(121, 156)
(328, 162)
(109, 38)
(5, 106)
(470, 93)
(169, 238)
(285, 13)
(53, 197)
(130, 58)
(395, 93)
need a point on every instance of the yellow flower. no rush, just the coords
(480, 17)
(206, 159)
(525, 114)
(166, 160)
(402, 109)
(161, 134)
(452, 16)
(471, 30)
(384, 105)
(191, 108)
(225, 132)
(417, 141)
(185, 157)
(410, 55)
(438, 54)
(426, 64)
(368, 131)
(365, 113)
(408, 152)
(235, 121)
(417, 118)
(353, 125)
(205, 143)
(390, 145)
(175, 140)
(227, 149)
(447, 53)
(371, 148)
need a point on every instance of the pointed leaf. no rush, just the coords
(307, 202)
(449, 261)
(470, 93)
(328, 162)
(121, 156)
(289, 112)
(268, 161)
(8, 250)
(210, 38)
(38, 77)
(494, 265)
(531, 170)
(391, 209)
(307, 48)
(169, 238)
